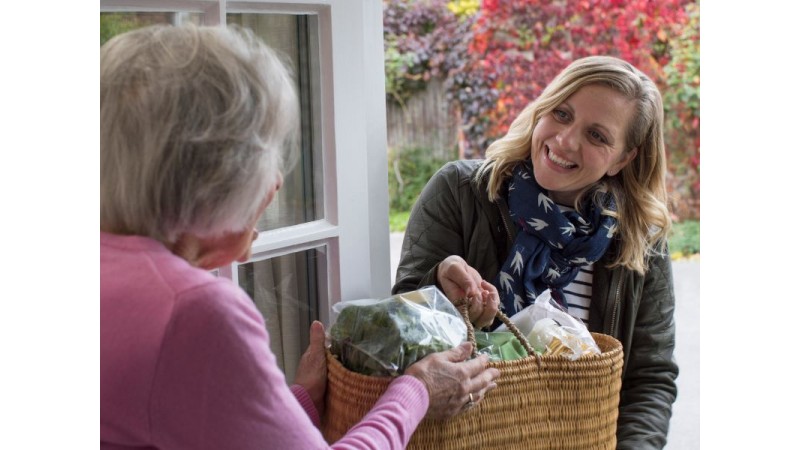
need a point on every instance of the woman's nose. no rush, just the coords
(568, 138)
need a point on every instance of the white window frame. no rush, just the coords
(355, 224)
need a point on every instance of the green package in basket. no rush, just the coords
(384, 337)
(499, 345)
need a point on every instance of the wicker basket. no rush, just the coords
(541, 402)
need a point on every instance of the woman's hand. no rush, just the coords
(312, 370)
(454, 384)
(459, 280)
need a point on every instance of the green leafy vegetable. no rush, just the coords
(384, 337)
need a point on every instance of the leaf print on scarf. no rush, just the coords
(537, 224)
(517, 263)
(505, 281)
(546, 201)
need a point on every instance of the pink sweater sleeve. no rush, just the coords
(217, 385)
(302, 397)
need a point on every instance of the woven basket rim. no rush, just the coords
(609, 345)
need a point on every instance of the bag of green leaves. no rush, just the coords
(384, 337)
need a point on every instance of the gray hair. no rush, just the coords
(193, 125)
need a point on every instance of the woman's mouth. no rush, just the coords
(558, 161)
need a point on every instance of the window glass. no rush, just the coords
(114, 23)
(300, 198)
(286, 290)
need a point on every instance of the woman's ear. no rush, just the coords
(212, 252)
(626, 158)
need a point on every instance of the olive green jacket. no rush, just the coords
(454, 216)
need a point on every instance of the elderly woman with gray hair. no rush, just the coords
(193, 123)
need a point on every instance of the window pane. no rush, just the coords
(300, 198)
(286, 291)
(112, 24)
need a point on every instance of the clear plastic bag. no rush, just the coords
(551, 330)
(384, 337)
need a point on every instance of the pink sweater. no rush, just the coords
(185, 363)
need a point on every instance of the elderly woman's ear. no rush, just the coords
(216, 251)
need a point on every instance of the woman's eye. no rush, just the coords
(596, 136)
(560, 115)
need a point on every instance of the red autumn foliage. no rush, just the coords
(523, 44)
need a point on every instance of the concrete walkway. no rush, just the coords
(684, 433)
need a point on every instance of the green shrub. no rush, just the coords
(398, 221)
(409, 171)
(112, 24)
(685, 238)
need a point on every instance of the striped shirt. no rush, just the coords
(578, 294)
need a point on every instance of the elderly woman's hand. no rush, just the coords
(459, 280)
(454, 384)
(312, 370)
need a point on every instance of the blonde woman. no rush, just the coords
(572, 199)
(193, 123)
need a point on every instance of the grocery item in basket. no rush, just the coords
(550, 338)
(560, 334)
(384, 337)
(499, 345)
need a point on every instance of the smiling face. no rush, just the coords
(580, 141)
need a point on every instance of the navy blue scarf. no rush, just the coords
(551, 245)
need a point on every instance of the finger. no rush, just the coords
(460, 353)
(474, 281)
(491, 301)
(317, 335)
(488, 378)
(481, 393)
(485, 319)
(452, 281)
(465, 277)
(493, 297)
(449, 275)
(485, 285)
(473, 294)
(481, 385)
(476, 366)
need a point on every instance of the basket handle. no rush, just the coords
(463, 307)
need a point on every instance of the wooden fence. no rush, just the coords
(426, 120)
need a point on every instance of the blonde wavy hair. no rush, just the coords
(195, 125)
(639, 189)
